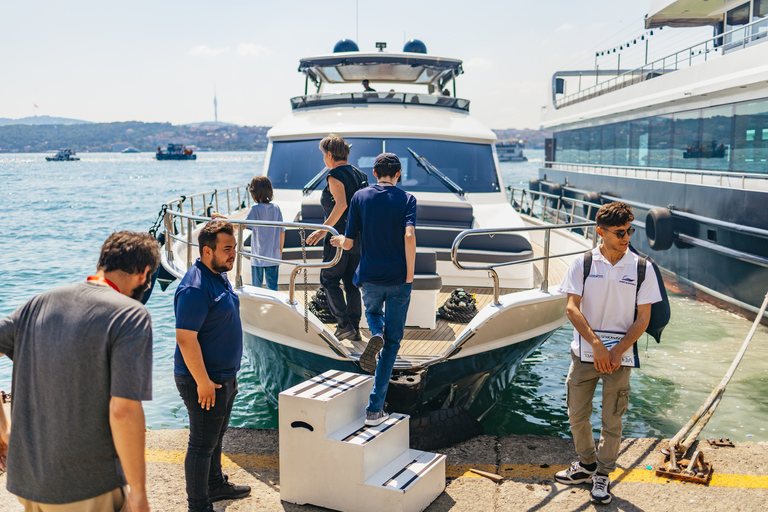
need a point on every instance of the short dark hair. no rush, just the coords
(335, 146)
(129, 252)
(261, 189)
(614, 214)
(210, 233)
(386, 165)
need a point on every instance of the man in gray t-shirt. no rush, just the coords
(82, 364)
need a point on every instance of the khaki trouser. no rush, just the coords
(581, 385)
(112, 501)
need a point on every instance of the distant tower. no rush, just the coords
(215, 105)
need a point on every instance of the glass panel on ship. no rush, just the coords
(729, 138)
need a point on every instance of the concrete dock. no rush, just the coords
(527, 463)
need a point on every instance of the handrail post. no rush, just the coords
(292, 286)
(239, 261)
(168, 241)
(183, 227)
(238, 197)
(229, 205)
(217, 200)
(192, 203)
(189, 243)
(493, 275)
(545, 282)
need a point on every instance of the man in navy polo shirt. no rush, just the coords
(382, 219)
(209, 347)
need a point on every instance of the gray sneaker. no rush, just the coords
(601, 489)
(368, 357)
(345, 331)
(375, 418)
(576, 474)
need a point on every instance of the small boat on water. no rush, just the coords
(175, 152)
(468, 236)
(511, 151)
(130, 149)
(63, 155)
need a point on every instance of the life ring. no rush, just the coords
(442, 428)
(591, 197)
(660, 229)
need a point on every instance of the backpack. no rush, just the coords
(660, 311)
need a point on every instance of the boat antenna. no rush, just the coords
(215, 104)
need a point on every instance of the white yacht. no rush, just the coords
(468, 236)
(683, 139)
(511, 151)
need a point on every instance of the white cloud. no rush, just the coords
(479, 63)
(565, 27)
(204, 51)
(252, 50)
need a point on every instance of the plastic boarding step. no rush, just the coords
(408, 484)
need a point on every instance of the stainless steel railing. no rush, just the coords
(495, 231)
(188, 222)
(553, 208)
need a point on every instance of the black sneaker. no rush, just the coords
(344, 331)
(228, 491)
(368, 357)
(356, 336)
(208, 508)
(576, 474)
(601, 489)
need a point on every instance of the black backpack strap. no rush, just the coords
(587, 268)
(641, 264)
(362, 178)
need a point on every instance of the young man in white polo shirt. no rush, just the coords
(603, 306)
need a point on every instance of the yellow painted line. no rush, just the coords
(510, 471)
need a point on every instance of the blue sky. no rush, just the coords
(158, 60)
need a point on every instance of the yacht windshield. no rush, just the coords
(293, 164)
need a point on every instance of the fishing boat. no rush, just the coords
(175, 152)
(683, 139)
(63, 155)
(511, 151)
(468, 237)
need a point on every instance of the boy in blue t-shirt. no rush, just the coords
(382, 220)
(265, 241)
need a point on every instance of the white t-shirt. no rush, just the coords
(608, 301)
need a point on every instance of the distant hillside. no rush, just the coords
(41, 120)
(21, 138)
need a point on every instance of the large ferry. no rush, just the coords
(468, 237)
(683, 139)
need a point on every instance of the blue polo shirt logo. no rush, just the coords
(627, 280)
(217, 299)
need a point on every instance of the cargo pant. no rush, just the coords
(581, 384)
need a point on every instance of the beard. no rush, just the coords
(139, 291)
(220, 266)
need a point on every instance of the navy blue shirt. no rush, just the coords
(206, 303)
(376, 221)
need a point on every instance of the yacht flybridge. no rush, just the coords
(467, 233)
(681, 136)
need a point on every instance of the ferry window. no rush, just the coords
(658, 142)
(687, 140)
(607, 144)
(750, 148)
(734, 19)
(559, 146)
(593, 156)
(292, 164)
(759, 10)
(638, 150)
(621, 154)
(567, 154)
(715, 151)
(470, 166)
(580, 145)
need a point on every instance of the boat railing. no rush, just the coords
(204, 203)
(381, 98)
(174, 218)
(723, 179)
(737, 38)
(491, 269)
(554, 208)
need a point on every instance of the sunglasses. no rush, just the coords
(620, 233)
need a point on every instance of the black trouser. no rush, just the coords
(202, 465)
(343, 271)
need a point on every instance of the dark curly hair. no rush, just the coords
(614, 214)
(210, 233)
(129, 252)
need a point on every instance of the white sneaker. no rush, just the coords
(375, 418)
(576, 474)
(601, 489)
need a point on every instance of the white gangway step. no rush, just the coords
(330, 458)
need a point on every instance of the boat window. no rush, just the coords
(638, 149)
(716, 138)
(594, 145)
(734, 19)
(623, 144)
(293, 164)
(687, 140)
(750, 147)
(759, 10)
(607, 143)
(658, 141)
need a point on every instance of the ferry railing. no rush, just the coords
(686, 57)
(491, 269)
(204, 203)
(554, 208)
(191, 221)
(720, 179)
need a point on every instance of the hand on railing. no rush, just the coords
(217, 215)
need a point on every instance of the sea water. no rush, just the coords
(56, 215)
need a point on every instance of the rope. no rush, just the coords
(158, 221)
(460, 307)
(302, 235)
(320, 308)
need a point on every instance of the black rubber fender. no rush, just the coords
(444, 427)
(592, 197)
(660, 229)
(534, 185)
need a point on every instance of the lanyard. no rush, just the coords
(105, 281)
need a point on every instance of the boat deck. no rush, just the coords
(424, 344)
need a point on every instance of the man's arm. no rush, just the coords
(342, 241)
(193, 358)
(410, 253)
(633, 334)
(340, 198)
(602, 356)
(5, 433)
(126, 419)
